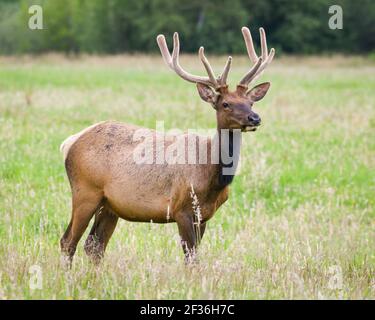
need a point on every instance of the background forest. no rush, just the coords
(114, 26)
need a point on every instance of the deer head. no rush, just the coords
(233, 108)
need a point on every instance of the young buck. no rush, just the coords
(107, 182)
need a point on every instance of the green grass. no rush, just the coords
(302, 205)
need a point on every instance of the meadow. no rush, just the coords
(300, 220)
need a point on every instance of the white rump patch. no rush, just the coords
(67, 144)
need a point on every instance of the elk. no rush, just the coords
(106, 182)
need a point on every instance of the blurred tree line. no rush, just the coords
(113, 26)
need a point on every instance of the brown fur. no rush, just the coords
(107, 183)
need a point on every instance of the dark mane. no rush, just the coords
(226, 179)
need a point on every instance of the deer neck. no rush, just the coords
(227, 144)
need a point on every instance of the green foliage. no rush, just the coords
(110, 26)
(8, 25)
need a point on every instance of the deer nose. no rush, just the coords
(254, 119)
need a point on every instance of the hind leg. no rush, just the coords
(85, 203)
(65, 236)
(101, 231)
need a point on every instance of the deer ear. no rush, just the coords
(206, 93)
(258, 92)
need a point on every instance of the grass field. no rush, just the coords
(300, 221)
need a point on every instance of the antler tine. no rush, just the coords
(260, 62)
(173, 62)
(249, 44)
(162, 43)
(251, 74)
(178, 69)
(263, 44)
(207, 66)
(224, 75)
(266, 63)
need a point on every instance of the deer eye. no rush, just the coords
(225, 105)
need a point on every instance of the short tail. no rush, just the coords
(68, 142)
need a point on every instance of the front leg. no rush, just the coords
(190, 234)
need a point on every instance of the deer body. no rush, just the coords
(126, 186)
(108, 183)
